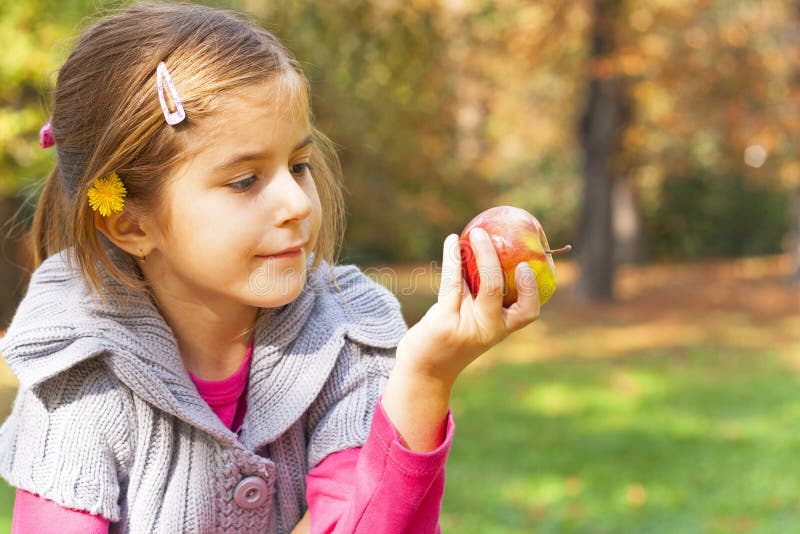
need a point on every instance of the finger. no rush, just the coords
(527, 308)
(490, 292)
(467, 300)
(451, 285)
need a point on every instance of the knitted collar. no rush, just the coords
(59, 324)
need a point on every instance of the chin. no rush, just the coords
(270, 291)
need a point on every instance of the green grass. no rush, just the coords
(6, 507)
(695, 440)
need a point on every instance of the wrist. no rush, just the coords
(421, 380)
(427, 372)
(416, 404)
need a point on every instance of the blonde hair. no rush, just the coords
(107, 117)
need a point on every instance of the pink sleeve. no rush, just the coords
(380, 487)
(37, 514)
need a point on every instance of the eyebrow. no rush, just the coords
(253, 156)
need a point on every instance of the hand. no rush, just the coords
(454, 332)
(460, 327)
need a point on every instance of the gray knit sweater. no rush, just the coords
(107, 419)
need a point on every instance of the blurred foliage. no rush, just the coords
(444, 108)
(36, 37)
(701, 216)
(385, 93)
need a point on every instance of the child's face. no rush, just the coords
(224, 220)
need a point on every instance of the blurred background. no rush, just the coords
(658, 392)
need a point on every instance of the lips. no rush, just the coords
(285, 253)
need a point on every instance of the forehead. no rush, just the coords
(259, 116)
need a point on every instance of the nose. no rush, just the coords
(292, 201)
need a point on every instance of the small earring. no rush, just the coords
(141, 256)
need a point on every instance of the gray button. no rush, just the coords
(250, 492)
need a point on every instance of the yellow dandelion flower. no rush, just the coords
(107, 194)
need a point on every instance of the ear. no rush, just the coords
(129, 232)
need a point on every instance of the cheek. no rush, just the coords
(194, 233)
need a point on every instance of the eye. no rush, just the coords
(302, 168)
(243, 185)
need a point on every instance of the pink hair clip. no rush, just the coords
(46, 135)
(172, 118)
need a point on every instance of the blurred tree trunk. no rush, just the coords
(605, 116)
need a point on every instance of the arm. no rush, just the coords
(78, 419)
(380, 487)
(37, 514)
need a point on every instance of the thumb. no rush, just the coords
(525, 281)
(526, 309)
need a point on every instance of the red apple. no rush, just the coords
(517, 236)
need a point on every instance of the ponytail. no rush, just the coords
(48, 233)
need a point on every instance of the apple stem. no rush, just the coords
(561, 250)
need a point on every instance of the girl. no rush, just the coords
(190, 357)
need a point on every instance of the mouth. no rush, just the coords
(288, 253)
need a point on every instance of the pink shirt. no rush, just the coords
(381, 486)
(227, 398)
